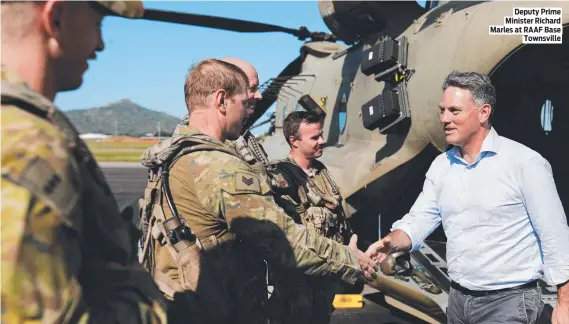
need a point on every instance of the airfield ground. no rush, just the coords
(119, 149)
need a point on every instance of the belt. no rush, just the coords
(477, 293)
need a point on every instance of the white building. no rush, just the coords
(88, 136)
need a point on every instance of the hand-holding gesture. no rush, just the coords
(379, 250)
(368, 266)
(396, 241)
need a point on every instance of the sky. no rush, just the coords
(147, 62)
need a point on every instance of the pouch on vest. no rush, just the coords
(317, 209)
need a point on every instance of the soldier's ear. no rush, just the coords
(221, 101)
(293, 141)
(52, 15)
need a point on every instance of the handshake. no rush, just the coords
(378, 251)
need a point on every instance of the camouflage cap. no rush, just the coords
(128, 8)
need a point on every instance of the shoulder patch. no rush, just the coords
(247, 182)
(40, 178)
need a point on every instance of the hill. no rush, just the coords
(123, 117)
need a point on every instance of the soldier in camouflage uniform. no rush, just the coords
(312, 199)
(67, 252)
(209, 214)
(252, 152)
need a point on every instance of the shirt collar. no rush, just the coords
(14, 86)
(8, 75)
(491, 144)
(182, 129)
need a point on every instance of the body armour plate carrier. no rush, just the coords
(186, 249)
(318, 209)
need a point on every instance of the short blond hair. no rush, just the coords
(207, 76)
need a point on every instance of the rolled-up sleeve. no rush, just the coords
(424, 216)
(548, 218)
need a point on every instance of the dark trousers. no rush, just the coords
(519, 305)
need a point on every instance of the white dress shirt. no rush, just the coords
(502, 216)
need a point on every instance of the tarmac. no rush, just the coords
(128, 180)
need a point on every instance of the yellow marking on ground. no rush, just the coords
(348, 301)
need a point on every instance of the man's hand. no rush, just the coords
(561, 311)
(560, 314)
(379, 250)
(396, 241)
(368, 267)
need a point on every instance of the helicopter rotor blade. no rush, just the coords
(230, 24)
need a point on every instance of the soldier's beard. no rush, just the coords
(233, 135)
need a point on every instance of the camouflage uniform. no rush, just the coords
(237, 225)
(313, 199)
(67, 252)
(252, 152)
(293, 302)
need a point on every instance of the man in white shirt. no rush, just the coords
(500, 211)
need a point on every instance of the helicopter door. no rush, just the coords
(532, 101)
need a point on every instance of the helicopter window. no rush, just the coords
(342, 112)
(342, 121)
(427, 4)
(284, 112)
(546, 116)
(299, 108)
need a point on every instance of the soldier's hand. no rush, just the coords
(369, 268)
(379, 250)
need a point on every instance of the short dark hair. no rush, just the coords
(479, 85)
(293, 121)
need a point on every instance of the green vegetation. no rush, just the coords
(123, 118)
(117, 151)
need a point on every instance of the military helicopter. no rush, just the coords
(378, 93)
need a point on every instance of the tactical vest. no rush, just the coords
(318, 209)
(253, 153)
(203, 292)
(103, 233)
